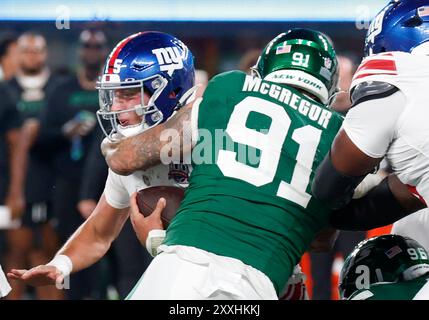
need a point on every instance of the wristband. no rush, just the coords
(62, 263)
(154, 240)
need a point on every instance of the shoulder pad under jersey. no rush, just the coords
(370, 90)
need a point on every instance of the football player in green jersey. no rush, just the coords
(388, 267)
(248, 214)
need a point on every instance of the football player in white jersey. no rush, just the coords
(388, 119)
(147, 77)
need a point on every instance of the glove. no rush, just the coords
(295, 288)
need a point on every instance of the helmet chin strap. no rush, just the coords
(334, 96)
(188, 96)
(254, 72)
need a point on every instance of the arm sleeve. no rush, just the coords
(115, 192)
(377, 208)
(371, 124)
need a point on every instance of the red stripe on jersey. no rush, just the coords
(117, 50)
(378, 64)
(414, 191)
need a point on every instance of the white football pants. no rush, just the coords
(188, 273)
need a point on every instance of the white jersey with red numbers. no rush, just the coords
(396, 125)
(119, 188)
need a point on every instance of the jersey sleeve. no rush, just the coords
(376, 68)
(371, 124)
(115, 192)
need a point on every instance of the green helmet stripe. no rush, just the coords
(304, 42)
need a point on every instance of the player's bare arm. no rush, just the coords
(143, 151)
(86, 246)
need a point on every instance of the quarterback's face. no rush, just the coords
(126, 99)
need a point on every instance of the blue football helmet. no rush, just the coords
(403, 25)
(158, 64)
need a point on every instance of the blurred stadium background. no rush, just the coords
(218, 32)
(222, 34)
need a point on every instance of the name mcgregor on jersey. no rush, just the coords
(305, 107)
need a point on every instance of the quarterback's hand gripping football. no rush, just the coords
(143, 225)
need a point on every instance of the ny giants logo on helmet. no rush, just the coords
(169, 58)
(375, 27)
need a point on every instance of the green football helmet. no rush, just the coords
(302, 58)
(387, 258)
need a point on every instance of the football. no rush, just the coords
(148, 198)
